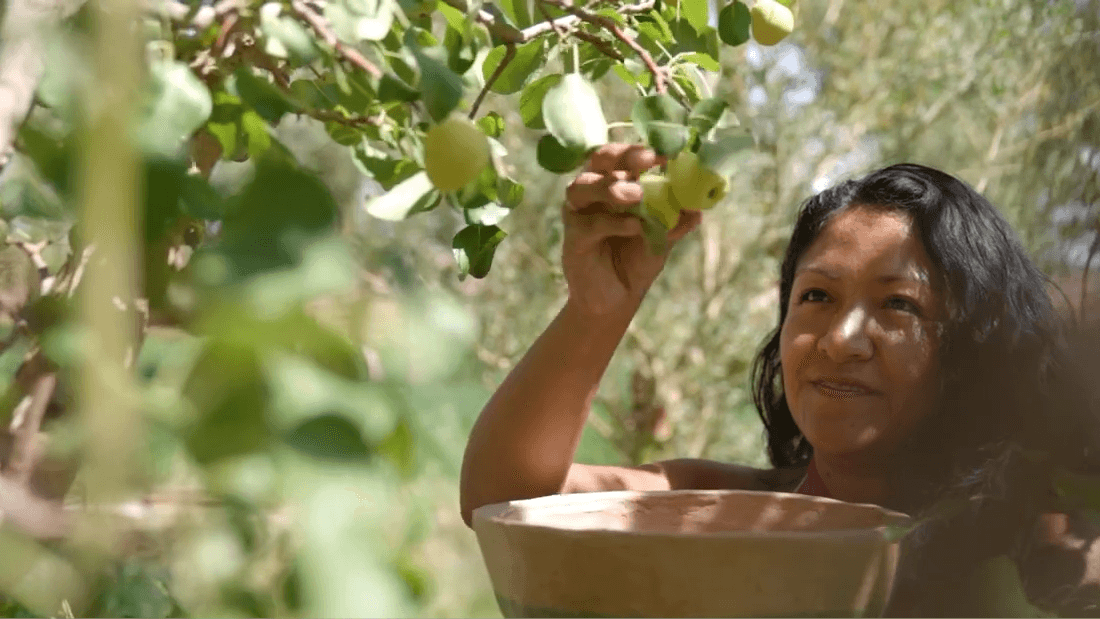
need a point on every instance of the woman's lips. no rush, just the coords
(842, 388)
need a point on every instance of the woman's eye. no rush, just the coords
(903, 304)
(813, 296)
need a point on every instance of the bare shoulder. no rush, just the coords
(680, 474)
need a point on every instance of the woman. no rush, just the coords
(911, 364)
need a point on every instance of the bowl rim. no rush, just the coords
(492, 515)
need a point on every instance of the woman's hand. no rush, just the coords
(605, 259)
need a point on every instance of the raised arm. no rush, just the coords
(523, 443)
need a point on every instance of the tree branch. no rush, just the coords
(321, 27)
(509, 54)
(510, 34)
(609, 24)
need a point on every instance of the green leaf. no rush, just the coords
(179, 103)
(309, 93)
(256, 132)
(734, 22)
(343, 134)
(413, 195)
(231, 399)
(661, 123)
(530, 100)
(697, 13)
(51, 156)
(474, 247)
(487, 214)
(440, 87)
(509, 192)
(461, 51)
(284, 36)
(392, 88)
(518, 11)
(528, 58)
(656, 28)
(263, 97)
(388, 171)
(455, 19)
(552, 156)
(639, 78)
(329, 437)
(704, 61)
(706, 114)
(492, 124)
(721, 153)
(573, 114)
(138, 593)
(277, 216)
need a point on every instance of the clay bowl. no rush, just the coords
(688, 553)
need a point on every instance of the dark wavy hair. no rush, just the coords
(1000, 346)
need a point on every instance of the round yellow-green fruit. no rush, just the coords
(455, 153)
(656, 200)
(693, 186)
(771, 22)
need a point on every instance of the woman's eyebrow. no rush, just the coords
(916, 276)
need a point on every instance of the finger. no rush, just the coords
(606, 158)
(612, 189)
(638, 159)
(689, 220)
(593, 228)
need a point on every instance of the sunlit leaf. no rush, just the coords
(412, 195)
(697, 13)
(440, 86)
(555, 157)
(179, 103)
(263, 96)
(530, 100)
(704, 62)
(492, 124)
(528, 59)
(706, 114)
(661, 123)
(474, 247)
(573, 114)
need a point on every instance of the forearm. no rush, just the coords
(523, 443)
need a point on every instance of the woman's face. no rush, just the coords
(858, 347)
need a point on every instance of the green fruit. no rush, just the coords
(656, 211)
(771, 22)
(694, 187)
(455, 153)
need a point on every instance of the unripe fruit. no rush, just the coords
(694, 187)
(771, 22)
(656, 211)
(455, 153)
(656, 200)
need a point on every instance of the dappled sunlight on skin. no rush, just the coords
(859, 345)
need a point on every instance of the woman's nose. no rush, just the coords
(848, 338)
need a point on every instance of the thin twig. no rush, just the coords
(600, 44)
(509, 54)
(511, 34)
(351, 121)
(609, 24)
(322, 29)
